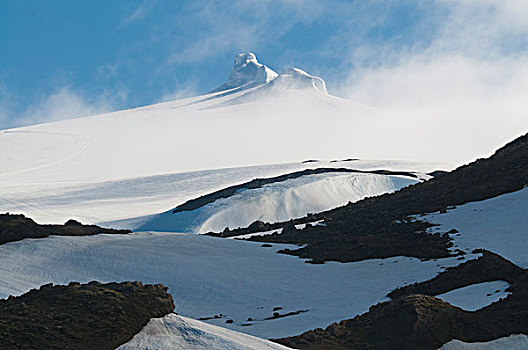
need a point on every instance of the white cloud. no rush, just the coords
(63, 103)
(181, 91)
(464, 93)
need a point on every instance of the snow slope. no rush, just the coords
(476, 296)
(190, 134)
(211, 276)
(183, 333)
(498, 224)
(276, 202)
(513, 342)
(132, 201)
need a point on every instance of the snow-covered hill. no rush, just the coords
(183, 333)
(277, 201)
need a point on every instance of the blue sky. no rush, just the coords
(95, 56)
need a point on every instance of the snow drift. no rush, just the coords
(277, 202)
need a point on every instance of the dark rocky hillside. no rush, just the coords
(17, 227)
(417, 321)
(80, 316)
(380, 226)
(489, 267)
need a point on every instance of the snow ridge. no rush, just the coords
(295, 78)
(275, 202)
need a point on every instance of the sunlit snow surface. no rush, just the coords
(277, 202)
(476, 296)
(134, 163)
(182, 333)
(498, 224)
(513, 342)
(134, 199)
(211, 276)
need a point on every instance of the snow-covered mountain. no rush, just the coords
(135, 163)
(206, 132)
(188, 166)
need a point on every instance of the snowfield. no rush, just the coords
(476, 296)
(129, 203)
(513, 342)
(498, 224)
(211, 276)
(183, 333)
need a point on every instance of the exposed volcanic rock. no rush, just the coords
(489, 267)
(380, 226)
(80, 316)
(366, 240)
(402, 324)
(17, 227)
(424, 322)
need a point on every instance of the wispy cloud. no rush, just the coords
(465, 90)
(63, 103)
(139, 13)
(180, 91)
(241, 26)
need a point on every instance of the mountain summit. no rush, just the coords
(247, 72)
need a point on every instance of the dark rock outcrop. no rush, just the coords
(489, 267)
(402, 324)
(17, 227)
(80, 316)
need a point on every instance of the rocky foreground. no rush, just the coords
(415, 319)
(17, 227)
(80, 316)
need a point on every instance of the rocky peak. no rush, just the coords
(247, 72)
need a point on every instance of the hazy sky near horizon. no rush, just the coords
(61, 59)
